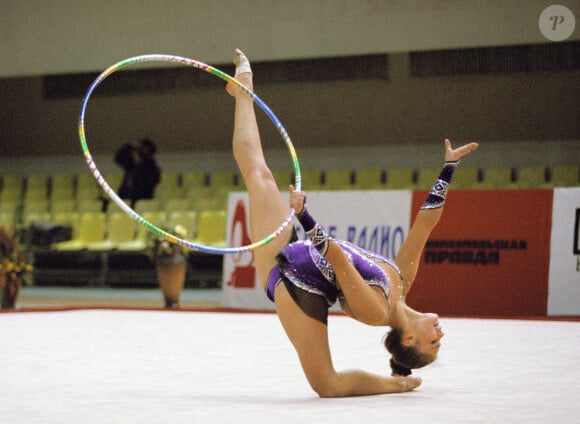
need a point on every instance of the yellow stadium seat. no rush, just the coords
(465, 178)
(7, 219)
(139, 242)
(36, 206)
(211, 229)
(9, 206)
(400, 178)
(10, 194)
(177, 205)
(222, 179)
(33, 195)
(565, 176)
(62, 187)
(37, 182)
(497, 177)
(169, 187)
(90, 205)
(338, 179)
(87, 187)
(120, 229)
(147, 205)
(531, 177)
(426, 177)
(63, 205)
(67, 219)
(114, 179)
(92, 229)
(369, 179)
(192, 179)
(36, 218)
(13, 181)
(311, 179)
(283, 177)
(186, 218)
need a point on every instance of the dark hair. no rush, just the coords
(147, 147)
(404, 358)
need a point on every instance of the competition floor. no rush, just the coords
(128, 364)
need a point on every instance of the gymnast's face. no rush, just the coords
(429, 334)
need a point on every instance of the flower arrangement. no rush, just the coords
(14, 266)
(162, 250)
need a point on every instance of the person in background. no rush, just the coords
(141, 172)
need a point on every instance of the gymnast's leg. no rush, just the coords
(267, 207)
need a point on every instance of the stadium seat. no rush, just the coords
(87, 187)
(497, 177)
(426, 177)
(62, 186)
(338, 179)
(36, 218)
(220, 180)
(67, 219)
(63, 205)
(6, 219)
(92, 229)
(465, 178)
(311, 179)
(120, 229)
(192, 179)
(13, 181)
(139, 242)
(400, 178)
(177, 205)
(186, 218)
(114, 179)
(10, 194)
(168, 187)
(212, 229)
(565, 176)
(38, 183)
(369, 179)
(283, 177)
(147, 205)
(531, 177)
(90, 205)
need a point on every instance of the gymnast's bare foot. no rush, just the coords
(243, 73)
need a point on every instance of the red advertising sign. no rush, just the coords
(488, 256)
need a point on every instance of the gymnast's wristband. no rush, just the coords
(313, 230)
(438, 193)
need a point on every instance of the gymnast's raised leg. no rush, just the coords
(267, 207)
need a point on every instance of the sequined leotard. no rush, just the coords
(311, 280)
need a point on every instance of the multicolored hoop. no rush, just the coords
(151, 227)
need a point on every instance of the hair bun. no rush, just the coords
(399, 369)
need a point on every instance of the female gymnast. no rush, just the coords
(304, 278)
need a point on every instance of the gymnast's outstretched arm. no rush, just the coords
(409, 255)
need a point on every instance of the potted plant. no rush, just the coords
(14, 267)
(170, 261)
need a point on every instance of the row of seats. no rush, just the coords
(193, 191)
(184, 185)
(99, 231)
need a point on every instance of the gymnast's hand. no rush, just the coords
(404, 384)
(453, 155)
(297, 200)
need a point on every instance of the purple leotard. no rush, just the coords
(302, 265)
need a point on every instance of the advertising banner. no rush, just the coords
(377, 220)
(489, 254)
(564, 277)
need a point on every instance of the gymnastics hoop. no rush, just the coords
(127, 209)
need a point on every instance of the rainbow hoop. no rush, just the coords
(151, 227)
